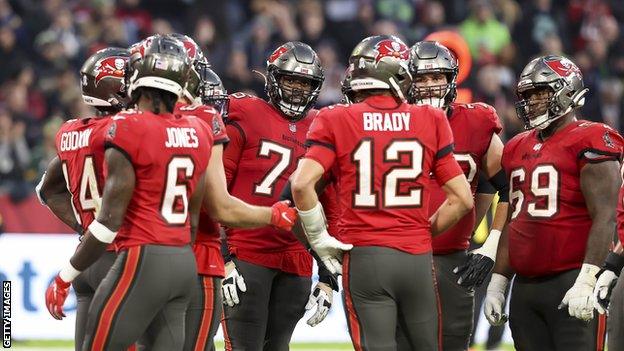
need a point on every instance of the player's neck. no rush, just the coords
(556, 126)
(145, 104)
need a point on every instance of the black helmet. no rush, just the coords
(293, 59)
(211, 89)
(197, 57)
(164, 66)
(102, 79)
(345, 86)
(562, 77)
(380, 62)
(433, 57)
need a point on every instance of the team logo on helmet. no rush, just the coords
(563, 67)
(111, 67)
(391, 48)
(277, 53)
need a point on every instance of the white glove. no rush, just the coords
(580, 297)
(321, 297)
(494, 304)
(328, 248)
(231, 284)
(602, 291)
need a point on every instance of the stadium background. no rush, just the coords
(44, 42)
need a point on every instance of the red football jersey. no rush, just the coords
(473, 126)
(549, 223)
(620, 212)
(384, 153)
(80, 148)
(207, 246)
(169, 154)
(263, 151)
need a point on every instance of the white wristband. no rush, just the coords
(101, 232)
(490, 246)
(313, 221)
(68, 273)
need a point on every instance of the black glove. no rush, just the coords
(474, 271)
(325, 276)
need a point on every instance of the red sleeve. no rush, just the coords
(497, 127)
(446, 168)
(321, 141)
(219, 132)
(233, 150)
(124, 135)
(601, 143)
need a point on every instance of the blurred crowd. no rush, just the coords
(44, 42)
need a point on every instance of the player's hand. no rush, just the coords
(55, 296)
(580, 297)
(330, 250)
(474, 271)
(321, 297)
(283, 216)
(232, 283)
(494, 304)
(602, 291)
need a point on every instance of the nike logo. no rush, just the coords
(286, 217)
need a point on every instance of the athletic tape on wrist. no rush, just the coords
(101, 232)
(68, 273)
(313, 220)
(498, 283)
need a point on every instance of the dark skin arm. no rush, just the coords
(196, 204)
(118, 191)
(600, 183)
(57, 197)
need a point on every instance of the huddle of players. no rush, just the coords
(400, 162)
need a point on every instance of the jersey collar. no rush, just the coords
(382, 102)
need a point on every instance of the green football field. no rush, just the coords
(46, 345)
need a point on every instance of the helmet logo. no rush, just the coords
(277, 53)
(391, 48)
(563, 67)
(191, 52)
(111, 67)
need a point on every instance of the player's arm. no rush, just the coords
(483, 199)
(195, 206)
(600, 183)
(311, 214)
(458, 203)
(117, 194)
(234, 212)
(52, 192)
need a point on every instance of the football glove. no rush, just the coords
(580, 297)
(607, 278)
(494, 304)
(55, 296)
(321, 297)
(283, 216)
(479, 263)
(232, 283)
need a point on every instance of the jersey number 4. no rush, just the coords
(365, 196)
(88, 194)
(544, 186)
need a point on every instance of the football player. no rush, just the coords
(266, 140)
(564, 177)
(74, 180)
(478, 150)
(383, 150)
(609, 290)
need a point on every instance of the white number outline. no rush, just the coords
(551, 191)
(174, 189)
(266, 186)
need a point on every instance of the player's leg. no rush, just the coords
(244, 325)
(371, 310)
(569, 333)
(138, 286)
(417, 298)
(84, 286)
(203, 314)
(528, 327)
(615, 324)
(289, 295)
(457, 302)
